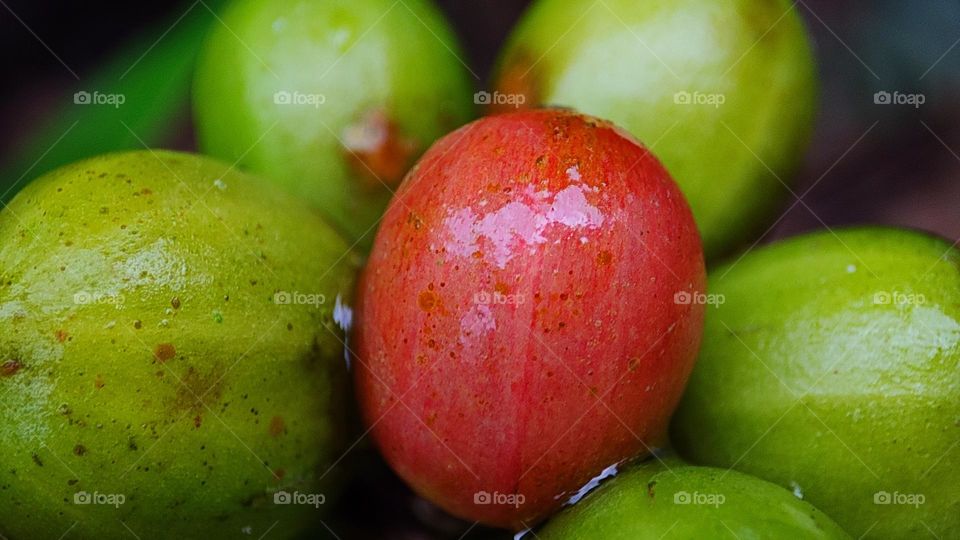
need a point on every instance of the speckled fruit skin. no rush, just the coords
(519, 325)
(391, 84)
(664, 500)
(653, 67)
(144, 354)
(845, 355)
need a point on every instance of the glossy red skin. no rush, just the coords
(463, 397)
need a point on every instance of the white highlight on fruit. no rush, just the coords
(521, 223)
(343, 316)
(593, 483)
(797, 492)
(158, 264)
(476, 322)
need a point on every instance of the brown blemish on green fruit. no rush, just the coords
(10, 368)
(80, 450)
(61, 335)
(276, 426)
(517, 78)
(164, 352)
(378, 153)
(195, 387)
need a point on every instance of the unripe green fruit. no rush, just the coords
(333, 100)
(671, 500)
(832, 364)
(722, 92)
(151, 376)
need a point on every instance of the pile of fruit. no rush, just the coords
(543, 324)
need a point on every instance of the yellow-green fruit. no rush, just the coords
(831, 365)
(170, 356)
(332, 99)
(671, 500)
(722, 92)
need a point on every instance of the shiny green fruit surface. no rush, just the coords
(333, 100)
(831, 364)
(170, 356)
(672, 500)
(722, 92)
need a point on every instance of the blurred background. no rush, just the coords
(868, 162)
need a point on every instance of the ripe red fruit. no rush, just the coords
(528, 315)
